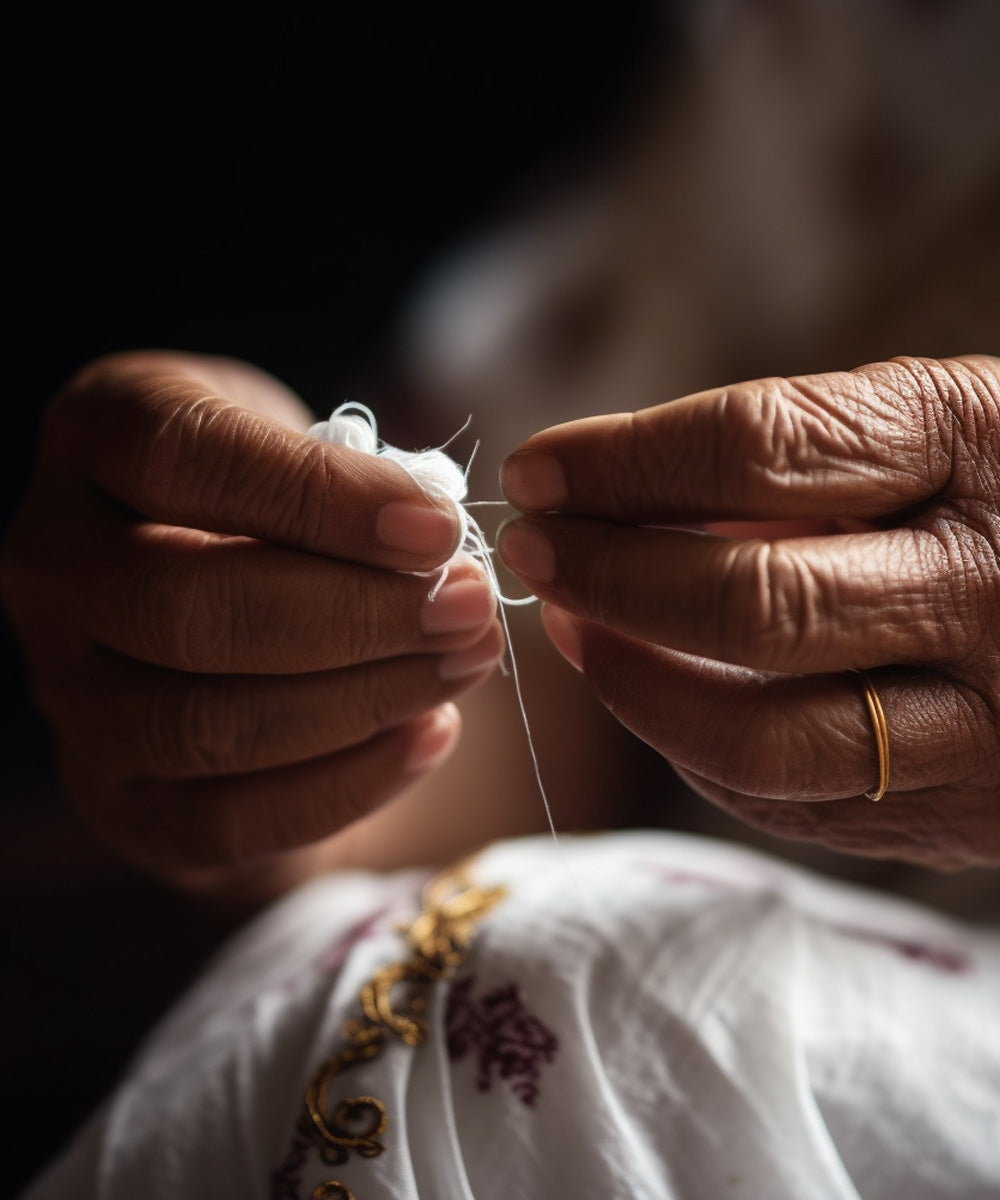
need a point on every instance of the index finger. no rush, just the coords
(862, 443)
(154, 434)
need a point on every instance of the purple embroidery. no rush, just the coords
(286, 1180)
(509, 1042)
(938, 957)
(934, 956)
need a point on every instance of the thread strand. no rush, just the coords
(354, 425)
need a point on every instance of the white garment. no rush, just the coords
(644, 1016)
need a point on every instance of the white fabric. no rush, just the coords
(724, 1026)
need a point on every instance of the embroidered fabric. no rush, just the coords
(709, 1023)
(392, 1004)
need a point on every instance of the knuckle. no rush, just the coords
(849, 424)
(974, 412)
(138, 411)
(769, 604)
(159, 602)
(167, 420)
(762, 430)
(977, 709)
(738, 412)
(951, 383)
(292, 489)
(213, 733)
(777, 430)
(232, 623)
(767, 438)
(299, 493)
(176, 623)
(959, 560)
(959, 402)
(962, 581)
(169, 424)
(906, 386)
(983, 374)
(635, 460)
(905, 378)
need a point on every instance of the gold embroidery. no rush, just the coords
(333, 1191)
(394, 1001)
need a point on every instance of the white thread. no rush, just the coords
(354, 425)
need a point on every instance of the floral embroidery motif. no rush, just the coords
(393, 1003)
(509, 1043)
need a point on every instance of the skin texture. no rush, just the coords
(717, 566)
(222, 620)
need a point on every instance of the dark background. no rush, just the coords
(267, 189)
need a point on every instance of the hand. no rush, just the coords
(221, 618)
(731, 655)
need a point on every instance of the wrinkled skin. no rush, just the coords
(718, 565)
(221, 618)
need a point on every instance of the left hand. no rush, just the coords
(732, 655)
(224, 623)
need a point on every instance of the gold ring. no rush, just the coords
(877, 714)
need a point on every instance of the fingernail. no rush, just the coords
(417, 528)
(564, 634)
(527, 551)
(458, 607)
(477, 658)
(533, 481)
(435, 741)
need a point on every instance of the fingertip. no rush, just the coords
(460, 606)
(526, 551)
(533, 482)
(434, 740)
(564, 633)
(465, 665)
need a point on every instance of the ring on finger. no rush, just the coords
(881, 729)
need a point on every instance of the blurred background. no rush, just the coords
(526, 214)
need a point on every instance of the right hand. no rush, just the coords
(221, 616)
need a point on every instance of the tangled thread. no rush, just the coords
(354, 425)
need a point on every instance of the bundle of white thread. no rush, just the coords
(354, 425)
